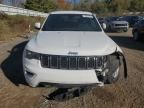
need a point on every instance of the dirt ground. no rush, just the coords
(129, 93)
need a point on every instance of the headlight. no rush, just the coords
(32, 55)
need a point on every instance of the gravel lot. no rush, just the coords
(129, 93)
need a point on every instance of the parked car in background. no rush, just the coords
(138, 30)
(72, 50)
(131, 19)
(114, 24)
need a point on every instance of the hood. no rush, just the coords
(64, 42)
(119, 22)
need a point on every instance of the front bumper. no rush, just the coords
(35, 75)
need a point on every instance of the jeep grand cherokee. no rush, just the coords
(71, 49)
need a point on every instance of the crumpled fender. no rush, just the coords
(119, 53)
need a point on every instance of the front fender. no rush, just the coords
(119, 53)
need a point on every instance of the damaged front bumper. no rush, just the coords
(35, 74)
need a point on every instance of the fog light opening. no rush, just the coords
(30, 74)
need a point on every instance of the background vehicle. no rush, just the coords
(114, 24)
(131, 19)
(72, 50)
(138, 30)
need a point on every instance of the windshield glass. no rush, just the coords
(71, 22)
(113, 18)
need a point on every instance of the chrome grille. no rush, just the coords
(72, 62)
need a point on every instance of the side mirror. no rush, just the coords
(37, 25)
(103, 26)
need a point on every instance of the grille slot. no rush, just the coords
(91, 62)
(99, 62)
(82, 63)
(72, 62)
(64, 64)
(54, 61)
(120, 24)
(44, 61)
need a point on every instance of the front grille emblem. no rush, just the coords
(73, 53)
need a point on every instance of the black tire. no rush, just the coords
(136, 35)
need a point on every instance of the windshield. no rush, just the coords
(120, 19)
(113, 18)
(71, 22)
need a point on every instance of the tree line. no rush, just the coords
(98, 6)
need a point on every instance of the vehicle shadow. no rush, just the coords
(64, 94)
(128, 42)
(12, 65)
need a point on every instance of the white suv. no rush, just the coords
(71, 49)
